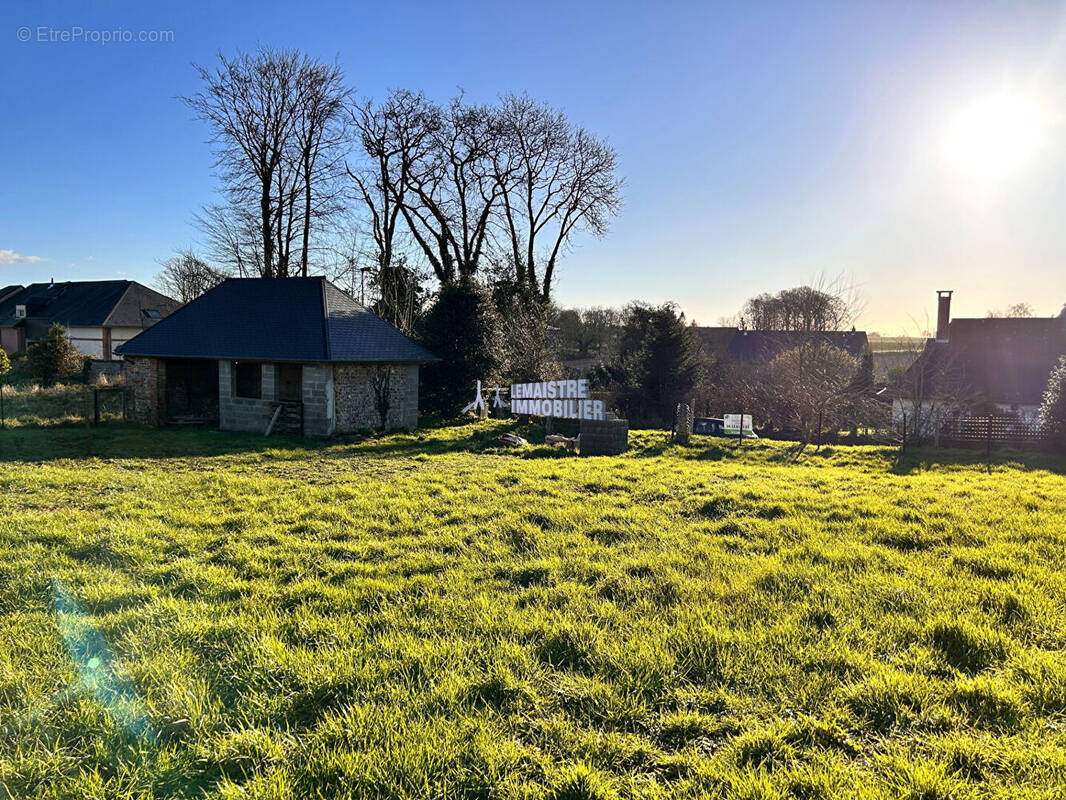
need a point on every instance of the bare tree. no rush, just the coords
(1015, 310)
(827, 305)
(185, 276)
(556, 180)
(321, 136)
(274, 122)
(450, 184)
(391, 135)
(233, 238)
(810, 387)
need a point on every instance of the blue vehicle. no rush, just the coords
(715, 426)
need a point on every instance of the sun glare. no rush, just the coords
(996, 136)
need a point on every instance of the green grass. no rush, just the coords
(191, 614)
(63, 404)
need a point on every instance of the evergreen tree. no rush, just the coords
(461, 328)
(661, 362)
(1053, 409)
(53, 357)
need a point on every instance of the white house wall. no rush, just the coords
(87, 341)
(121, 336)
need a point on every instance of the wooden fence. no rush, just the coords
(992, 431)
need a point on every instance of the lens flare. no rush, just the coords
(996, 136)
(95, 664)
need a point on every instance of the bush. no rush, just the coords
(54, 357)
(1053, 409)
(5, 363)
(462, 329)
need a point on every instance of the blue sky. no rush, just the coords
(762, 144)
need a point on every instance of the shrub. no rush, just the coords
(462, 329)
(5, 362)
(53, 357)
(1053, 409)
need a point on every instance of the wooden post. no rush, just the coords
(2, 421)
(740, 436)
(96, 406)
(988, 440)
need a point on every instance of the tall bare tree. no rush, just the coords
(556, 180)
(391, 135)
(321, 142)
(274, 119)
(450, 185)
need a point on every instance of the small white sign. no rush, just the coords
(731, 423)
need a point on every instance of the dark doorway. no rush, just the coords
(290, 383)
(192, 392)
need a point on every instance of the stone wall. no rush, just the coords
(356, 399)
(146, 382)
(607, 437)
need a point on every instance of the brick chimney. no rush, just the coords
(943, 314)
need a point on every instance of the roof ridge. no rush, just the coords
(325, 317)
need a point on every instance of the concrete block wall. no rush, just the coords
(146, 382)
(317, 394)
(245, 413)
(355, 398)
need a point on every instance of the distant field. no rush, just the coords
(198, 614)
(897, 343)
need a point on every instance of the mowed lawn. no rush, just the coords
(434, 616)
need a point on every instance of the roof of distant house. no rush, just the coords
(85, 303)
(276, 319)
(745, 345)
(1000, 360)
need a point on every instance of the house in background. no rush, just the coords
(274, 354)
(998, 365)
(99, 315)
(738, 345)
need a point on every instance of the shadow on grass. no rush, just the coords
(126, 441)
(39, 443)
(910, 462)
(32, 443)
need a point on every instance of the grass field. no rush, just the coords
(200, 614)
(57, 405)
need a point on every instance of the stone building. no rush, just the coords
(293, 355)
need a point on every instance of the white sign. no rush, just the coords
(732, 423)
(566, 399)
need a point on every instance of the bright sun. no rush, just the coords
(996, 136)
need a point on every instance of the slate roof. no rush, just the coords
(742, 345)
(7, 291)
(276, 319)
(999, 360)
(83, 303)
